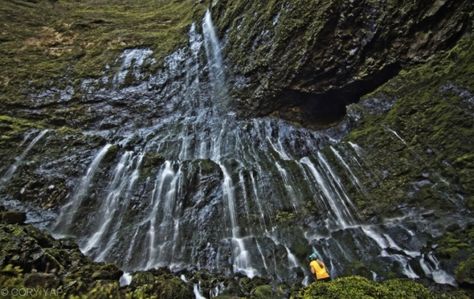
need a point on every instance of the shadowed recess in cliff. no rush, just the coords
(286, 54)
(326, 109)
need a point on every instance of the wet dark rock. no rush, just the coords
(453, 227)
(151, 163)
(423, 183)
(68, 243)
(107, 272)
(328, 55)
(12, 217)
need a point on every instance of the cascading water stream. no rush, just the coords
(7, 176)
(214, 57)
(227, 194)
(68, 212)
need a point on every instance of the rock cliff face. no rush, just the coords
(145, 128)
(306, 60)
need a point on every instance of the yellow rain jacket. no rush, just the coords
(319, 269)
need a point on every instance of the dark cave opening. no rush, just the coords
(310, 109)
(325, 109)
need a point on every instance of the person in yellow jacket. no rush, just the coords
(318, 268)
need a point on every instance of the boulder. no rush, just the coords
(43, 280)
(12, 217)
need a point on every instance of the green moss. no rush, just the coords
(451, 243)
(465, 272)
(359, 287)
(102, 290)
(11, 277)
(208, 166)
(285, 217)
(151, 163)
(158, 285)
(42, 41)
(12, 127)
(455, 249)
(302, 21)
(111, 153)
(433, 116)
(261, 292)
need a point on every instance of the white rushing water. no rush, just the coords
(214, 56)
(125, 279)
(7, 176)
(197, 292)
(230, 195)
(132, 61)
(68, 212)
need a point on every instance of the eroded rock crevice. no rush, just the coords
(321, 110)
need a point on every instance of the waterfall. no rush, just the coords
(241, 255)
(353, 177)
(110, 205)
(166, 176)
(342, 216)
(226, 194)
(214, 56)
(290, 190)
(69, 211)
(131, 62)
(197, 292)
(7, 176)
(130, 181)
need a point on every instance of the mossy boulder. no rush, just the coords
(159, 284)
(107, 272)
(45, 280)
(359, 287)
(465, 272)
(151, 163)
(268, 291)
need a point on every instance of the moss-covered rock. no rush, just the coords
(42, 41)
(359, 287)
(151, 163)
(429, 128)
(31, 258)
(465, 272)
(305, 60)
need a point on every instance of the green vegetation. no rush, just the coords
(456, 244)
(44, 43)
(12, 127)
(465, 271)
(302, 22)
(456, 249)
(30, 258)
(433, 114)
(359, 287)
(151, 162)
